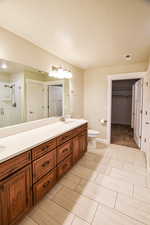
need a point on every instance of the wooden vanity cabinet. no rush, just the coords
(15, 196)
(64, 150)
(43, 165)
(44, 148)
(76, 149)
(79, 146)
(25, 179)
(9, 167)
(83, 143)
(44, 185)
(64, 166)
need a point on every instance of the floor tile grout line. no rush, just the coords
(110, 189)
(76, 216)
(71, 211)
(133, 218)
(73, 219)
(125, 215)
(116, 200)
(56, 192)
(133, 191)
(85, 196)
(94, 182)
(98, 205)
(60, 207)
(34, 221)
(113, 167)
(81, 194)
(101, 185)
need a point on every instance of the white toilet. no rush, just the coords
(92, 135)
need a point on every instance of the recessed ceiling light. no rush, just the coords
(4, 66)
(128, 57)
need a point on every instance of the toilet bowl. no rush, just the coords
(92, 135)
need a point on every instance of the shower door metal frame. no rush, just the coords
(54, 83)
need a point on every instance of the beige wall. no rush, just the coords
(95, 92)
(16, 49)
(5, 77)
(149, 64)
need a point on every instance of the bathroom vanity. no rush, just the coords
(32, 162)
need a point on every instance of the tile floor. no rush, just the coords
(108, 186)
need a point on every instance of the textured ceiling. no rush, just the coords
(86, 33)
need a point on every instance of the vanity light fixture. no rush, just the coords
(60, 73)
(3, 66)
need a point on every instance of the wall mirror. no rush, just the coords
(27, 94)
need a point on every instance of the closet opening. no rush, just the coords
(126, 112)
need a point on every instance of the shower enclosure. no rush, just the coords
(10, 98)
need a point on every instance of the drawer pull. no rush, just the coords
(44, 148)
(46, 184)
(64, 137)
(64, 166)
(46, 163)
(65, 150)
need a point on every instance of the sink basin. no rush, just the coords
(69, 121)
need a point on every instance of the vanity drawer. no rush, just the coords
(43, 149)
(65, 137)
(64, 166)
(44, 185)
(82, 128)
(64, 150)
(14, 164)
(43, 165)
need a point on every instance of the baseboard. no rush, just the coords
(101, 140)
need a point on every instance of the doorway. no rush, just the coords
(126, 112)
(55, 100)
(124, 118)
(35, 90)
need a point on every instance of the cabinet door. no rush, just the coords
(83, 143)
(15, 196)
(76, 149)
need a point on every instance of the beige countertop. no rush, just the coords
(16, 144)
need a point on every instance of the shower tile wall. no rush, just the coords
(9, 115)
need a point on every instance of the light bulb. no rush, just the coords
(4, 66)
(60, 73)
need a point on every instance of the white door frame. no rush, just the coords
(57, 82)
(28, 81)
(124, 76)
